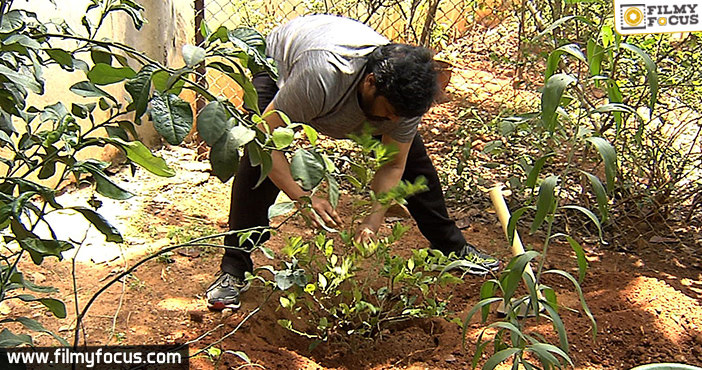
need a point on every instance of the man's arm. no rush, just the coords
(387, 177)
(282, 177)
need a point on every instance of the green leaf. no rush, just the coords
(499, 357)
(87, 89)
(12, 21)
(259, 157)
(558, 326)
(609, 156)
(104, 185)
(173, 117)
(7, 338)
(579, 254)
(193, 55)
(551, 98)
(544, 348)
(591, 216)
(651, 71)
(555, 57)
(101, 54)
(139, 88)
(478, 307)
(595, 53)
(311, 134)
(224, 156)
(26, 81)
(111, 233)
(333, 191)
(513, 220)
(581, 296)
(516, 270)
(241, 135)
(34, 325)
(536, 169)
(141, 155)
(40, 248)
(307, 167)
(104, 74)
(279, 209)
(212, 122)
(510, 327)
(267, 252)
(163, 81)
(283, 137)
(600, 194)
(62, 57)
(546, 201)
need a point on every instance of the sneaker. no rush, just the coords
(480, 263)
(225, 291)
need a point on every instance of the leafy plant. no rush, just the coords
(43, 147)
(345, 290)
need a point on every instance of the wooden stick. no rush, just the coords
(498, 201)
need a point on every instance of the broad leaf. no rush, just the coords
(111, 233)
(87, 89)
(104, 74)
(595, 53)
(551, 98)
(172, 116)
(23, 80)
(141, 155)
(279, 209)
(193, 55)
(9, 339)
(104, 185)
(609, 157)
(536, 169)
(546, 201)
(499, 357)
(34, 325)
(62, 57)
(555, 58)
(651, 71)
(139, 88)
(40, 248)
(212, 122)
(600, 194)
(307, 167)
(224, 156)
(283, 137)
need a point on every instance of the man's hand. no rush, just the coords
(365, 234)
(327, 214)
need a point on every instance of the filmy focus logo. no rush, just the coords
(656, 16)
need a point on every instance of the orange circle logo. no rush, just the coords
(662, 21)
(633, 17)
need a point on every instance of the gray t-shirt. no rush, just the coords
(321, 59)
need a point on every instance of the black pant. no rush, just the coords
(249, 206)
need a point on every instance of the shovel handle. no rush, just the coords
(498, 201)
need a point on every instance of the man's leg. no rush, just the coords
(248, 209)
(429, 211)
(429, 208)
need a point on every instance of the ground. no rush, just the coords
(647, 306)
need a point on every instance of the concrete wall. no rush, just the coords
(170, 26)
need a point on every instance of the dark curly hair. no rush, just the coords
(406, 76)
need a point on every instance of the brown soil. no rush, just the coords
(647, 307)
